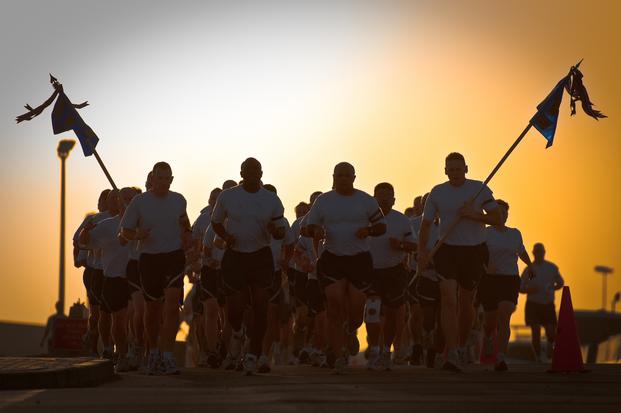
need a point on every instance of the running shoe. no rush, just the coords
(501, 366)
(168, 367)
(339, 365)
(250, 364)
(153, 364)
(385, 361)
(122, 365)
(263, 365)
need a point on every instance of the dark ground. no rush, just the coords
(526, 388)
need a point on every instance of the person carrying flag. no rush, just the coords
(460, 261)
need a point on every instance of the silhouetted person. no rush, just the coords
(347, 216)
(460, 261)
(389, 280)
(500, 287)
(246, 217)
(158, 220)
(114, 256)
(48, 334)
(540, 310)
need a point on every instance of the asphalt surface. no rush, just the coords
(526, 388)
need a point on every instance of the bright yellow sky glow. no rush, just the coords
(392, 88)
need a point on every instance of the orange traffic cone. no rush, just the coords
(567, 356)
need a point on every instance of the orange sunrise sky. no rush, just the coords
(390, 86)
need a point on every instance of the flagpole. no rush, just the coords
(489, 178)
(103, 166)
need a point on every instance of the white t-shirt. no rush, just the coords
(546, 276)
(209, 242)
(202, 222)
(342, 216)
(277, 245)
(94, 254)
(246, 215)
(446, 200)
(114, 256)
(161, 215)
(397, 226)
(504, 247)
(305, 246)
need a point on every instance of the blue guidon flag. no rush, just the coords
(547, 111)
(65, 117)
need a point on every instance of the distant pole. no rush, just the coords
(605, 272)
(64, 147)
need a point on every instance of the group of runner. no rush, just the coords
(266, 291)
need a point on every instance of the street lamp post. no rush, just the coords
(605, 272)
(64, 147)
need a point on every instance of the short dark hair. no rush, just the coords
(455, 156)
(250, 161)
(383, 186)
(315, 195)
(104, 194)
(300, 205)
(408, 210)
(503, 203)
(162, 165)
(270, 188)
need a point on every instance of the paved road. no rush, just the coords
(527, 388)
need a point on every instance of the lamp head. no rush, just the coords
(64, 147)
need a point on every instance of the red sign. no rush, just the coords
(68, 333)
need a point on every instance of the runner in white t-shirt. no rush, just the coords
(540, 285)
(211, 295)
(97, 279)
(499, 288)
(136, 307)
(390, 279)
(114, 257)
(415, 320)
(348, 216)
(158, 220)
(92, 335)
(425, 287)
(207, 297)
(460, 261)
(246, 217)
(282, 250)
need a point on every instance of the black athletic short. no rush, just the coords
(540, 314)
(464, 263)
(115, 294)
(275, 290)
(496, 288)
(297, 286)
(197, 304)
(427, 291)
(316, 299)
(87, 279)
(133, 276)
(390, 284)
(97, 281)
(210, 283)
(161, 271)
(357, 269)
(241, 270)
